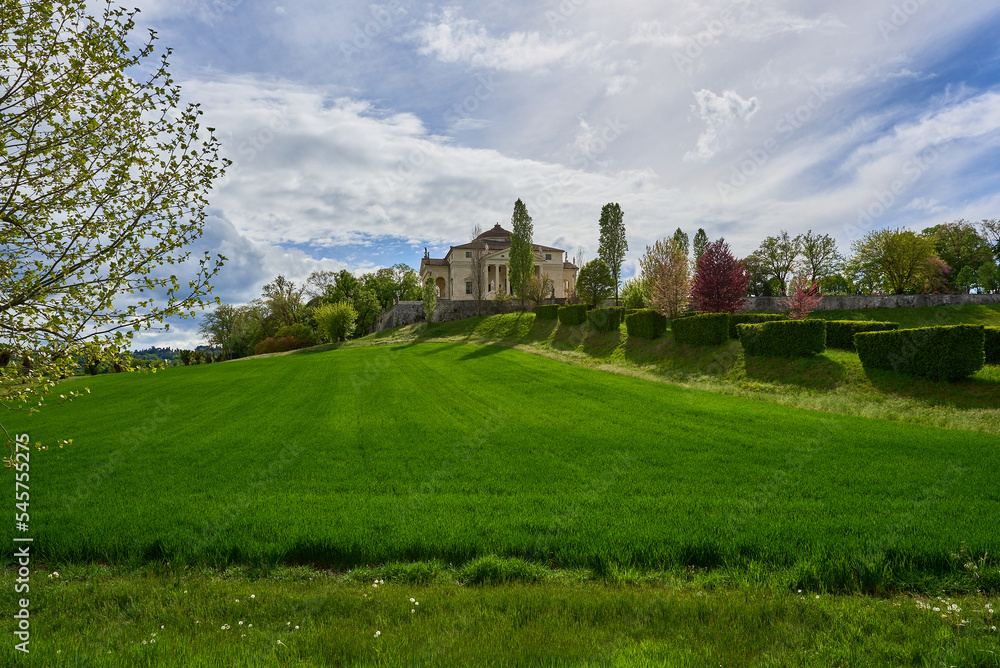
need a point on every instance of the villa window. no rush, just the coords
(548, 256)
(468, 287)
(468, 253)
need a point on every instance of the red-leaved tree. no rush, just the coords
(720, 282)
(803, 297)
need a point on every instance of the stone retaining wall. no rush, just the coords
(851, 302)
(405, 313)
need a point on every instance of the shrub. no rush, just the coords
(284, 344)
(991, 345)
(840, 333)
(942, 353)
(605, 319)
(573, 315)
(646, 324)
(750, 319)
(783, 338)
(336, 321)
(299, 330)
(547, 312)
(705, 329)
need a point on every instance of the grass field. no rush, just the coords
(453, 452)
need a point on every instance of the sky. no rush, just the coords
(361, 134)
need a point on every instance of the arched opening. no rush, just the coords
(441, 286)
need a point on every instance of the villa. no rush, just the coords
(453, 273)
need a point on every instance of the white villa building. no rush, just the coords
(452, 274)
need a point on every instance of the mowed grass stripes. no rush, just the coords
(451, 452)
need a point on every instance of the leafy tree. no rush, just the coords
(934, 275)
(539, 289)
(345, 287)
(521, 266)
(368, 308)
(336, 321)
(959, 245)
(407, 282)
(776, 257)
(430, 298)
(988, 277)
(219, 327)
(104, 185)
(319, 284)
(803, 297)
(966, 279)
(989, 230)
(720, 281)
(665, 270)
(634, 294)
(594, 283)
(897, 257)
(819, 252)
(682, 241)
(284, 301)
(613, 244)
(700, 243)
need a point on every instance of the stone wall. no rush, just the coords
(851, 302)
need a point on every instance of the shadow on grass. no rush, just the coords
(980, 391)
(484, 351)
(818, 372)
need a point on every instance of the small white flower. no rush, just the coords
(936, 609)
(413, 600)
(162, 626)
(153, 641)
(378, 633)
(58, 651)
(280, 643)
(225, 627)
(241, 622)
(817, 595)
(296, 627)
(237, 600)
(143, 642)
(412, 610)
(253, 595)
(416, 603)
(249, 626)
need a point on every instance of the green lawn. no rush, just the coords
(452, 452)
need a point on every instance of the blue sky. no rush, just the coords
(362, 133)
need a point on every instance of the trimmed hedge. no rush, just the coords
(840, 333)
(547, 312)
(705, 329)
(783, 338)
(942, 353)
(991, 345)
(574, 314)
(646, 324)
(751, 319)
(605, 319)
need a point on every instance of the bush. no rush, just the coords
(991, 345)
(605, 319)
(547, 312)
(573, 315)
(646, 324)
(783, 338)
(336, 321)
(299, 330)
(750, 319)
(704, 329)
(284, 344)
(840, 333)
(942, 353)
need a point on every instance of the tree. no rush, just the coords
(336, 321)
(284, 301)
(990, 231)
(429, 298)
(219, 326)
(367, 306)
(988, 277)
(478, 278)
(320, 283)
(700, 243)
(959, 245)
(539, 289)
(966, 279)
(819, 252)
(613, 244)
(593, 283)
(665, 272)
(720, 282)
(681, 238)
(898, 256)
(934, 275)
(803, 297)
(634, 294)
(776, 257)
(521, 266)
(105, 180)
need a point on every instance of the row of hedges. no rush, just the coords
(751, 319)
(606, 319)
(646, 324)
(547, 312)
(840, 333)
(785, 338)
(991, 344)
(575, 314)
(942, 353)
(704, 329)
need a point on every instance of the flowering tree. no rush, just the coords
(665, 271)
(720, 282)
(803, 297)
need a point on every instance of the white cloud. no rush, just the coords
(719, 113)
(455, 39)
